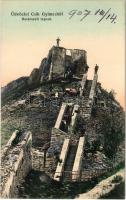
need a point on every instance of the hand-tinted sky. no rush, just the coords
(24, 44)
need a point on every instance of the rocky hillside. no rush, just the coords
(37, 109)
(32, 103)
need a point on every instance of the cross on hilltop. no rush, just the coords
(57, 41)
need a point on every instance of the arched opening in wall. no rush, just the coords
(68, 52)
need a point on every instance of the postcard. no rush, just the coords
(62, 99)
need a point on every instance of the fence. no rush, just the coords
(84, 175)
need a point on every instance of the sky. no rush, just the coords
(25, 43)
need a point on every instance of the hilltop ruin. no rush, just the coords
(70, 118)
(60, 63)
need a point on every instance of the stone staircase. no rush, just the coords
(85, 109)
(67, 175)
(70, 168)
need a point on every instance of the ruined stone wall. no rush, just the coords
(58, 61)
(78, 160)
(15, 166)
(77, 53)
(34, 76)
(63, 157)
(6, 148)
(57, 136)
(79, 59)
(37, 159)
(93, 90)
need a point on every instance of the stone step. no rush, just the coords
(69, 162)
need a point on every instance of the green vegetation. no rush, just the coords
(117, 193)
(7, 129)
(113, 133)
(93, 147)
(6, 133)
(117, 179)
(113, 171)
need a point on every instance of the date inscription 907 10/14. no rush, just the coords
(100, 13)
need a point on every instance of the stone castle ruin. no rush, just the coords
(60, 63)
(72, 131)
